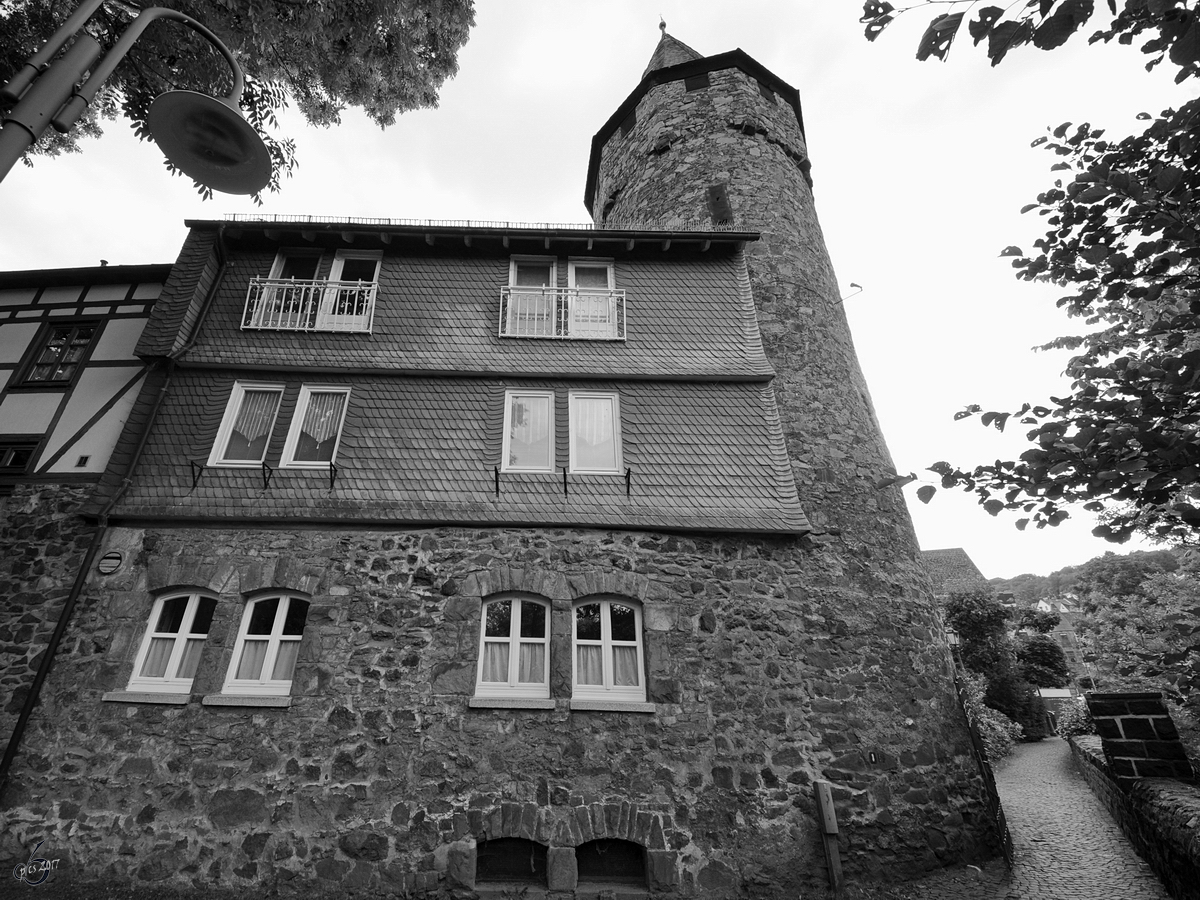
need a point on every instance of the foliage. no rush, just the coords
(1074, 719)
(999, 733)
(1038, 621)
(986, 649)
(1124, 240)
(1043, 663)
(384, 56)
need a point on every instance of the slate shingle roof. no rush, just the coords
(952, 570)
(670, 52)
(423, 450)
(438, 311)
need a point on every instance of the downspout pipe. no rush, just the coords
(89, 558)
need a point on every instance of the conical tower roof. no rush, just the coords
(669, 52)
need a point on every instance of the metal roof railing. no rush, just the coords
(666, 225)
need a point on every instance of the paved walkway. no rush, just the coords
(1067, 847)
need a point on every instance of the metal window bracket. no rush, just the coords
(497, 481)
(566, 493)
(333, 471)
(267, 472)
(628, 480)
(197, 471)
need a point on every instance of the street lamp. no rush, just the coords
(206, 138)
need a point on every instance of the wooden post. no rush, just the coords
(829, 832)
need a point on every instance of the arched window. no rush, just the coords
(514, 648)
(611, 861)
(268, 644)
(607, 659)
(170, 651)
(510, 860)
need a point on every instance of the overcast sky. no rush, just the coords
(920, 171)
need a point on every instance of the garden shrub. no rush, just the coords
(1074, 719)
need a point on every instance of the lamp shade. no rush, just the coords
(209, 141)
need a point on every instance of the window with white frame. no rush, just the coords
(246, 427)
(349, 300)
(607, 661)
(592, 303)
(514, 649)
(595, 425)
(316, 428)
(532, 309)
(528, 432)
(268, 644)
(170, 651)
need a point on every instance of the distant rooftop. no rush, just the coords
(950, 569)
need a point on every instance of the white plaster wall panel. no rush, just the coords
(28, 413)
(147, 291)
(17, 296)
(106, 293)
(97, 444)
(95, 388)
(118, 339)
(60, 295)
(14, 340)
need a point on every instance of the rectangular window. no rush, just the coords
(316, 429)
(595, 424)
(16, 457)
(58, 353)
(528, 431)
(293, 298)
(607, 659)
(695, 82)
(514, 649)
(593, 303)
(170, 651)
(247, 425)
(267, 647)
(532, 297)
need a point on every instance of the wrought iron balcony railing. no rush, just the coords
(562, 313)
(287, 304)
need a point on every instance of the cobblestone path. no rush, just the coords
(1067, 845)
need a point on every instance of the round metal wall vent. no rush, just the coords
(110, 562)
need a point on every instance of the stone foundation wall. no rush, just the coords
(771, 663)
(42, 544)
(1160, 816)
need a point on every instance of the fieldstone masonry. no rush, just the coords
(42, 543)
(1140, 740)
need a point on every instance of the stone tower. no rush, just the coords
(703, 141)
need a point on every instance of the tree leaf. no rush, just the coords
(925, 492)
(1186, 48)
(979, 28)
(939, 36)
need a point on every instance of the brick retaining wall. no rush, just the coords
(1160, 816)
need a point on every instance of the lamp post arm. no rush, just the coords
(37, 63)
(100, 74)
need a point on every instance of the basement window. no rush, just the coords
(513, 860)
(611, 862)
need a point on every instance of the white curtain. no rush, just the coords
(285, 660)
(625, 672)
(191, 658)
(318, 433)
(155, 665)
(531, 665)
(252, 427)
(495, 662)
(595, 445)
(589, 665)
(529, 432)
(253, 655)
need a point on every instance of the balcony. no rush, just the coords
(587, 314)
(286, 304)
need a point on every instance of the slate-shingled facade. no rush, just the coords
(690, 638)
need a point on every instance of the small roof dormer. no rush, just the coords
(669, 52)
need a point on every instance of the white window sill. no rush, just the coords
(509, 703)
(613, 706)
(244, 700)
(161, 697)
